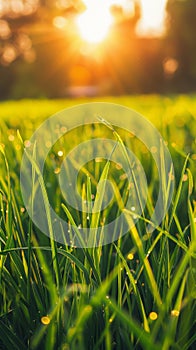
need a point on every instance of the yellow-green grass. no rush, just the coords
(135, 293)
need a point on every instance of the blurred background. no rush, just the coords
(74, 48)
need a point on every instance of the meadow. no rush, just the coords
(135, 293)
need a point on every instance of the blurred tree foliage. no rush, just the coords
(42, 55)
(182, 40)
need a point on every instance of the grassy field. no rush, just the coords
(135, 293)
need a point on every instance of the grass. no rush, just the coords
(135, 293)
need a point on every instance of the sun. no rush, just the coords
(94, 23)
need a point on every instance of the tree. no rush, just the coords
(25, 26)
(181, 40)
(36, 36)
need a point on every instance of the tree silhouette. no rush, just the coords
(181, 40)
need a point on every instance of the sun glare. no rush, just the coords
(152, 17)
(94, 23)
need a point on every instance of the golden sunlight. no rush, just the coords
(95, 22)
(152, 17)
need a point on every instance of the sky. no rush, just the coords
(95, 21)
(153, 13)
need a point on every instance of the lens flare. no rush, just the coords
(95, 22)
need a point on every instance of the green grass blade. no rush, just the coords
(9, 339)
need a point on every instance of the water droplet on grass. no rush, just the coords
(175, 313)
(11, 138)
(45, 320)
(60, 153)
(57, 171)
(130, 256)
(153, 316)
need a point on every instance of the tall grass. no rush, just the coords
(135, 293)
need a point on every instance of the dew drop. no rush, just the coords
(60, 153)
(45, 320)
(153, 316)
(175, 313)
